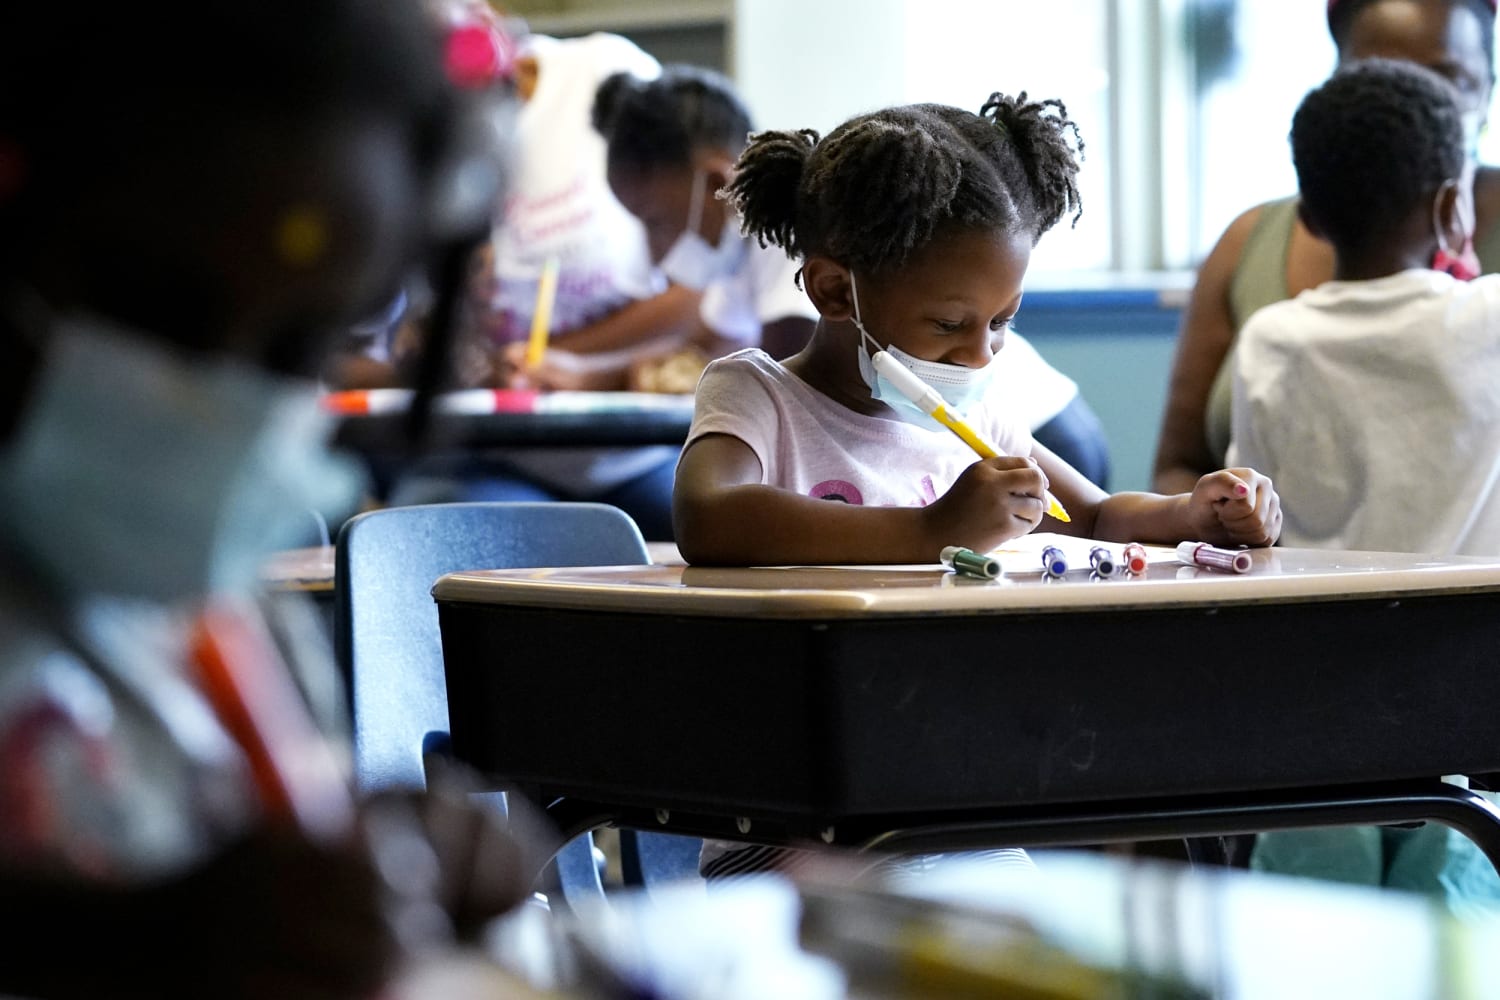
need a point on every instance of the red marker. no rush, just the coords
(1204, 554)
(1135, 559)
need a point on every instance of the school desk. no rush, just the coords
(906, 709)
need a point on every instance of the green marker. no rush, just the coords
(967, 562)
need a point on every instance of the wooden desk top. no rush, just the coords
(308, 570)
(1277, 576)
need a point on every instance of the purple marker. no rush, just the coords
(1204, 554)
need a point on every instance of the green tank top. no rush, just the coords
(1259, 280)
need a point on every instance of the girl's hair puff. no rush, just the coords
(880, 186)
(1049, 147)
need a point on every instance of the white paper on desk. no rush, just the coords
(581, 401)
(1024, 555)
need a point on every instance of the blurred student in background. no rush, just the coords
(672, 145)
(184, 227)
(1267, 254)
(611, 307)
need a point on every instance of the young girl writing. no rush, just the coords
(914, 226)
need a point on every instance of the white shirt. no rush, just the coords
(558, 203)
(761, 290)
(812, 445)
(1374, 406)
(1036, 390)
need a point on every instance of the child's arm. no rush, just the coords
(723, 514)
(646, 327)
(1228, 507)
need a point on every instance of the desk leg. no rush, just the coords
(1465, 811)
(1477, 818)
(572, 874)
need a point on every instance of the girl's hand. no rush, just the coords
(1235, 507)
(992, 501)
(559, 370)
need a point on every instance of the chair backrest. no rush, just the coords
(386, 623)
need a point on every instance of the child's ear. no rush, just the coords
(827, 284)
(1448, 216)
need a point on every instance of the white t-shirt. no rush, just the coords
(1036, 390)
(1374, 406)
(559, 203)
(762, 290)
(812, 445)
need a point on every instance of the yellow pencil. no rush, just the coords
(541, 316)
(927, 398)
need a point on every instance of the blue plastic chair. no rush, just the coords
(386, 625)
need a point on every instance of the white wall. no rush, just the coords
(814, 63)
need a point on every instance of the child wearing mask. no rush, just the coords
(1371, 398)
(914, 227)
(163, 311)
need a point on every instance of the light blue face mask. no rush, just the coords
(692, 261)
(961, 388)
(136, 472)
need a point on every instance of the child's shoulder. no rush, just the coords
(751, 372)
(747, 362)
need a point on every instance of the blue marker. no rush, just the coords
(1103, 562)
(1054, 563)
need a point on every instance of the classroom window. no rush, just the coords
(1253, 62)
(960, 51)
(1184, 105)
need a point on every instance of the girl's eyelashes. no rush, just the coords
(954, 326)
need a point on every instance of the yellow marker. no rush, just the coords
(931, 403)
(541, 316)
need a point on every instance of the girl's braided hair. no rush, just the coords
(880, 186)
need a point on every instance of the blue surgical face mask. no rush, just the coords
(961, 388)
(691, 261)
(137, 472)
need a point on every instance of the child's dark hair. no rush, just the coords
(1372, 144)
(1341, 15)
(658, 123)
(881, 185)
(82, 85)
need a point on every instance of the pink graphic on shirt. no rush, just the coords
(929, 492)
(837, 489)
(847, 492)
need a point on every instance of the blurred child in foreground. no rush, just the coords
(173, 267)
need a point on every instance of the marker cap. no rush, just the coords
(971, 563)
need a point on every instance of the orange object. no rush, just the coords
(347, 401)
(247, 682)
